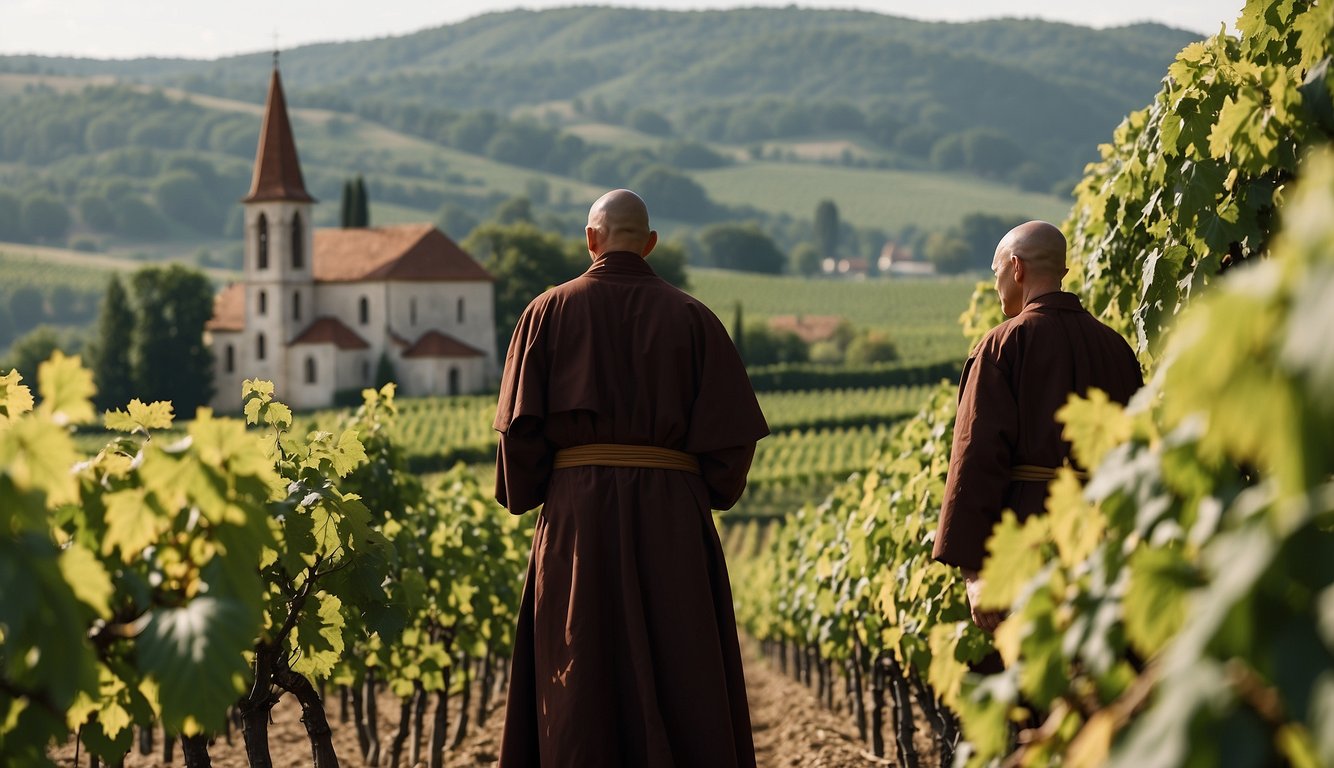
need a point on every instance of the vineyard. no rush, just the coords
(1175, 608)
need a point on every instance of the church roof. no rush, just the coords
(416, 252)
(438, 344)
(228, 309)
(277, 170)
(331, 330)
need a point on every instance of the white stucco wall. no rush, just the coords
(227, 392)
(304, 395)
(421, 376)
(437, 309)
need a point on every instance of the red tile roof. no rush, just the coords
(437, 344)
(810, 328)
(228, 309)
(416, 252)
(330, 330)
(277, 169)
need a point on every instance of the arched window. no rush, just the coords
(364, 310)
(298, 252)
(412, 311)
(263, 299)
(453, 380)
(259, 346)
(296, 305)
(262, 230)
(229, 359)
(460, 310)
(310, 370)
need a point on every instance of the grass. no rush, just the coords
(887, 199)
(920, 314)
(45, 268)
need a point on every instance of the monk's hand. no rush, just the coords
(986, 620)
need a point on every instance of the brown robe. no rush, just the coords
(626, 650)
(1012, 385)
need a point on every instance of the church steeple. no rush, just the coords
(277, 169)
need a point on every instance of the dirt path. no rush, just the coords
(791, 730)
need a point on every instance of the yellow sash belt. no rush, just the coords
(615, 455)
(1039, 474)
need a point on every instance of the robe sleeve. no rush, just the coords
(725, 419)
(985, 429)
(523, 458)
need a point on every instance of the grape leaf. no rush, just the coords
(87, 578)
(196, 655)
(15, 398)
(67, 389)
(317, 638)
(140, 417)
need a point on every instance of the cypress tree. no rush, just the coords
(384, 371)
(110, 352)
(345, 215)
(363, 212)
(826, 228)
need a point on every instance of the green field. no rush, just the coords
(887, 199)
(921, 315)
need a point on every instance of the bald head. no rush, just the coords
(1039, 245)
(618, 221)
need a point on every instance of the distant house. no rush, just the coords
(897, 259)
(317, 310)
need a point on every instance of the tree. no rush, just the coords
(871, 346)
(346, 204)
(741, 247)
(826, 229)
(45, 218)
(525, 262)
(32, 349)
(361, 212)
(384, 371)
(109, 354)
(764, 346)
(168, 355)
(947, 251)
(182, 196)
(11, 217)
(515, 210)
(27, 308)
(672, 195)
(669, 262)
(805, 259)
(96, 213)
(648, 121)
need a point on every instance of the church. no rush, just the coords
(318, 311)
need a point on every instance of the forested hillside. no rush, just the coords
(740, 76)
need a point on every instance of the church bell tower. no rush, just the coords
(280, 293)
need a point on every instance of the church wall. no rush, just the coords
(301, 393)
(422, 376)
(227, 394)
(436, 305)
(343, 301)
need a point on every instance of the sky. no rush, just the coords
(206, 29)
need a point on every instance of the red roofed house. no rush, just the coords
(315, 311)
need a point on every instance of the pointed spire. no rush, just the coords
(277, 168)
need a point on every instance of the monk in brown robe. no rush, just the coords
(1007, 443)
(626, 412)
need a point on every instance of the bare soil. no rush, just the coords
(791, 730)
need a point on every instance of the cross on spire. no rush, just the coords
(275, 48)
